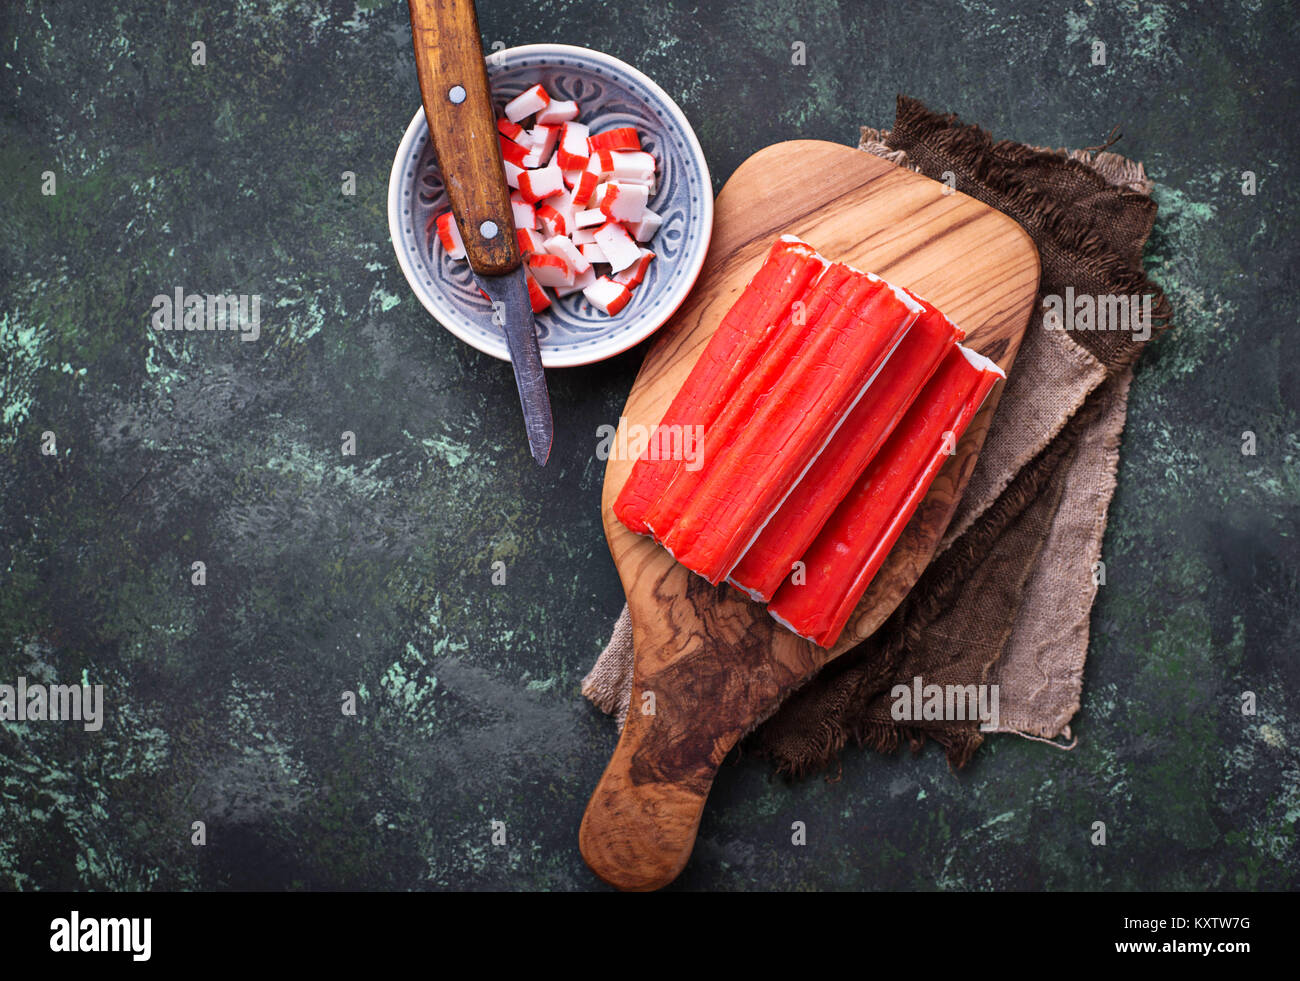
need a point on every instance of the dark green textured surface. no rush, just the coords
(372, 573)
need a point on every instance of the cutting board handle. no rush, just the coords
(696, 690)
(640, 825)
(703, 674)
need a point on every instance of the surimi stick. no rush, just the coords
(789, 532)
(825, 298)
(733, 349)
(785, 328)
(826, 295)
(791, 424)
(851, 547)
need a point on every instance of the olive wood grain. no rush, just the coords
(449, 53)
(714, 660)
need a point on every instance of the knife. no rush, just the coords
(462, 126)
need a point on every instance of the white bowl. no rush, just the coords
(571, 332)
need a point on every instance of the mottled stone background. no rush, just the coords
(371, 573)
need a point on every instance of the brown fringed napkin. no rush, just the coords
(1007, 598)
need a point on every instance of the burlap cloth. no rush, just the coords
(1007, 598)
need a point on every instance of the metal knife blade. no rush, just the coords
(512, 310)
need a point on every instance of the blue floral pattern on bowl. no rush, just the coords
(571, 331)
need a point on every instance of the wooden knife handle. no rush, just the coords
(449, 62)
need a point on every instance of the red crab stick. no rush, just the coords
(786, 537)
(730, 353)
(853, 544)
(788, 329)
(790, 427)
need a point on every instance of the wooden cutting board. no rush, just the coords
(713, 659)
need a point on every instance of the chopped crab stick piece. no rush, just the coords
(449, 236)
(741, 336)
(591, 252)
(624, 202)
(537, 297)
(513, 152)
(619, 247)
(528, 241)
(557, 112)
(767, 562)
(854, 543)
(544, 140)
(524, 138)
(573, 153)
(584, 236)
(648, 227)
(636, 165)
(550, 270)
(622, 138)
(537, 185)
(585, 188)
(566, 250)
(525, 214)
(563, 203)
(513, 173)
(790, 426)
(526, 103)
(601, 163)
(553, 221)
(589, 218)
(631, 276)
(511, 131)
(598, 196)
(580, 282)
(607, 296)
(790, 328)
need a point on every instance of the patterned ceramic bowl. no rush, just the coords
(571, 331)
